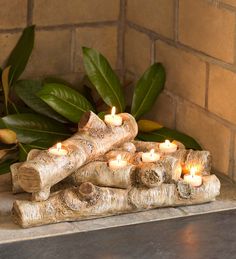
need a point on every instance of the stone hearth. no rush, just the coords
(9, 232)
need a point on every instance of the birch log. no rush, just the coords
(93, 139)
(89, 201)
(99, 173)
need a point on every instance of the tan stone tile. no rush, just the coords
(13, 13)
(211, 134)
(7, 43)
(156, 15)
(186, 73)
(207, 28)
(163, 111)
(51, 54)
(103, 39)
(137, 51)
(55, 12)
(222, 93)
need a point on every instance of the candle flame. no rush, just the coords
(193, 171)
(118, 158)
(58, 146)
(167, 142)
(113, 111)
(152, 151)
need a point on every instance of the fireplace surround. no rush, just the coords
(195, 41)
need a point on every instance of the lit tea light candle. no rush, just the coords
(58, 150)
(168, 147)
(193, 178)
(113, 119)
(151, 156)
(117, 163)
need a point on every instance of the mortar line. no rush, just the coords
(200, 54)
(235, 41)
(73, 50)
(121, 39)
(152, 52)
(231, 155)
(30, 7)
(207, 84)
(63, 26)
(175, 99)
(176, 21)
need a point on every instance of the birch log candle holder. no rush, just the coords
(93, 139)
(89, 201)
(87, 185)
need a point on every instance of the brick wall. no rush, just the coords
(62, 27)
(195, 40)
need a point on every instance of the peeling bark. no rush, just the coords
(93, 139)
(89, 201)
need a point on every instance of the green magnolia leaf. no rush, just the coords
(27, 91)
(5, 166)
(147, 89)
(20, 55)
(162, 134)
(52, 80)
(103, 78)
(65, 100)
(33, 127)
(101, 115)
(24, 149)
(5, 85)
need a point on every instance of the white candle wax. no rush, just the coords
(192, 178)
(58, 150)
(117, 163)
(113, 119)
(151, 156)
(168, 147)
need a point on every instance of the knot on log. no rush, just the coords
(184, 189)
(151, 175)
(89, 193)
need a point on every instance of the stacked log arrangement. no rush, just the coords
(83, 185)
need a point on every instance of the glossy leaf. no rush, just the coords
(5, 166)
(164, 133)
(65, 100)
(20, 55)
(5, 85)
(27, 91)
(147, 89)
(54, 80)
(148, 125)
(103, 78)
(34, 127)
(24, 149)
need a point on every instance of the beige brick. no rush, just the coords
(56, 12)
(137, 51)
(207, 28)
(13, 13)
(222, 93)
(103, 39)
(211, 134)
(7, 43)
(51, 54)
(186, 73)
(230, 2)
(163, 111)
(156, 15)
